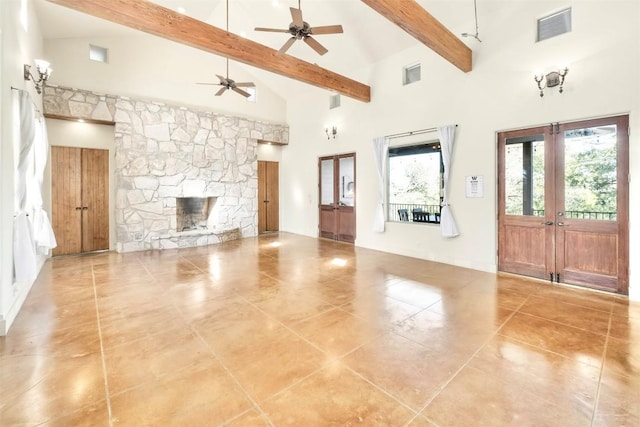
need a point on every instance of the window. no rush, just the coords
(253, 93)
(554, 24)
(334, 101)
(97, 53)
(415, 182)
(411, 74)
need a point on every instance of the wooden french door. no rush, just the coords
(80, 199)
(337, 184)
(564, 203)
(268, 197)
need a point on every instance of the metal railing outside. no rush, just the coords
(430, 212)
(602, 216)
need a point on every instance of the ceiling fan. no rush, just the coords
(301, 30)
(228, 83)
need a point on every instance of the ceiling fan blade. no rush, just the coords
(271, 30)
(287, 45)
(241, 92)
(315, 45)
(296, 16)
(223, 80)
(245, 84)
(221, 91)
(327, 29)
(209, 84)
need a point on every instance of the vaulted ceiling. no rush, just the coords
(374, 29)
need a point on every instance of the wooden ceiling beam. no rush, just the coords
(162, 22)
(411, 17)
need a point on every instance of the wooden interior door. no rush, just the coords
(66, 198)
(563, 203)
(80, 199)
(95, 200)
(337, 209)
(268, 197)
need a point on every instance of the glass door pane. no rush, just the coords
(524, 175)
(346, 185)
(326, 183)
(590, 173)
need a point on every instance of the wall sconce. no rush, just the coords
(553, 79)
(44, 72)
(331, 133)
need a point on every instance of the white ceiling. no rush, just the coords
(368, 37)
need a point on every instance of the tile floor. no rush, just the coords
(287, 330)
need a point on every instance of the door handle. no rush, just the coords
(548, 223)
(560, 223)
(78, 208)
(84, 208)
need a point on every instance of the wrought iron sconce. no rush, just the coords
(331, 133)
(553, 79)
(44, 72)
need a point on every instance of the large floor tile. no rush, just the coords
(556, 337)
(475, 398)
(285, 359)
(202, 395)
(410, 372)
(335, 396)
(559, 311)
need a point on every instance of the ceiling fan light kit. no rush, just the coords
(299, 29)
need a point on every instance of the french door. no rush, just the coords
(563, 202)
(337, 184)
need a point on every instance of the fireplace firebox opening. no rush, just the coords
(194, 213)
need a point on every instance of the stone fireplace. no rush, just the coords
(165, 153)
(195, 213)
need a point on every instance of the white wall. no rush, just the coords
(152, 68)
(19, 46)
(66, 133)
(603, 55)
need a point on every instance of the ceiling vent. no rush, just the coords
(554, 24)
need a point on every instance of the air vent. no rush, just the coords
(99, 54)
(334, 101)
(411, 74)
(554, 24)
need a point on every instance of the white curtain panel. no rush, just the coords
(380, 150)
(42, 230)
(24, 251)
(446, 134)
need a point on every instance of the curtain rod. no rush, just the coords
(411, 133)
(31, 99)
